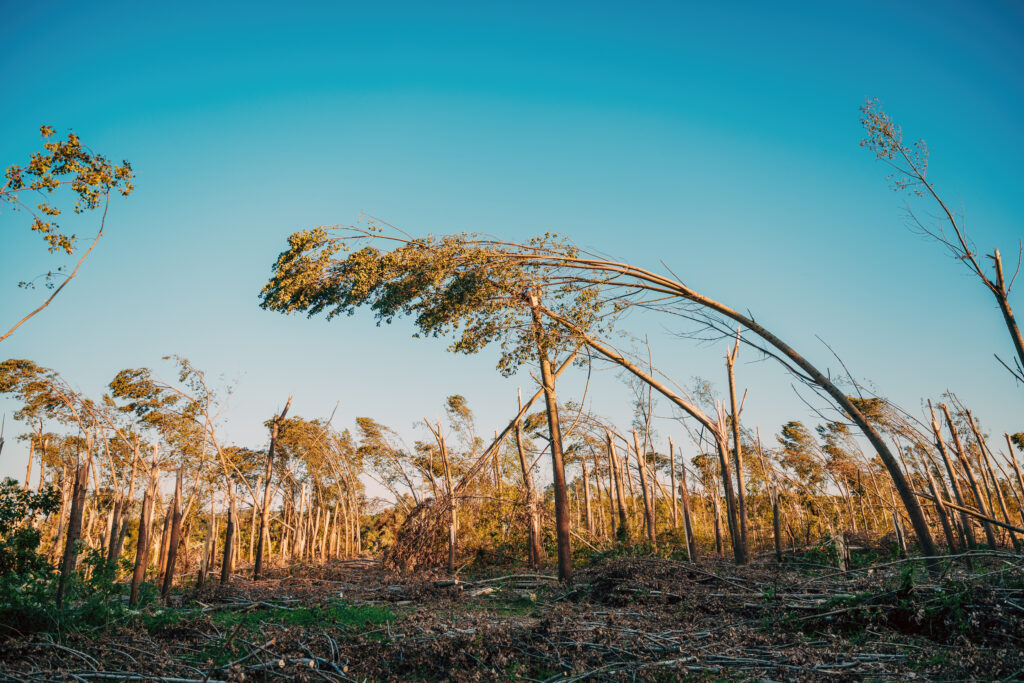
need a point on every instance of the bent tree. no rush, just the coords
(448, 288)
(90, 177)
(473, 285)
(909, 164)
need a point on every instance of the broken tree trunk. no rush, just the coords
(265, 508)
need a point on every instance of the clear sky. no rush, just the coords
(721, 138)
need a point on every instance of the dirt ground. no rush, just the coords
(625, 618)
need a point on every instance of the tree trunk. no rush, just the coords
(534, 550)
(985, 461)
(717, 509)
(722, 442)
(206, 565)
(172, 548)
(66, 494)
(738, 452)
(120, 527)
(943, 516)
(1020, 477)
(672, 475)
(586, 499)
(165, 541)
(228, 564)
(145, 521)
(622, 533)
(557, 464)
(979, 501)
(965, 521)
(74, 532)
(641, 460)
(265, 508)
(450, 494)
(31, 455)
(42, 463)
(691, 542)
(672, 286)
(776, 526)
(1000, 293)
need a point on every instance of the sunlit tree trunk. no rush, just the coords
(145, 522)
(31, 455)
(738, 455)
(228, 563)
(533, 546)
(206, 565)
(119, 528)
(175, 538)
(985, 461)
(641, 461)
(74, 532)
(1020, 477)
(622, 533)
(555, 435)
(684, 492)
(965, 522)
(268, 475)
(586, 499)
(965, 463)
(165, 540)
(672, 481)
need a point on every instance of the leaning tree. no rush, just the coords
(487, 290)
(448, 287)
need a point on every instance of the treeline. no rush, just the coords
(141, 478)
(140, 483)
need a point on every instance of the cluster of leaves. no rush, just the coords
(460, 285)
(885, 139)
(19, 540)
(64, 162)
(28, 584)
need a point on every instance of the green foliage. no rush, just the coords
(91, 178)
(19, 540)
(28, 584)
(460, 285)
(1018, 441)
(43, 393)
(92, 599)
(799, 454)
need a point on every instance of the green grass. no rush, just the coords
(333, 613)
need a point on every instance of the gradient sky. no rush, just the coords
(721, 138)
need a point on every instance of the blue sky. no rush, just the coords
(721, 138)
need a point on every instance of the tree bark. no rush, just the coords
(965, 522)
(586, 499)
(990, 535)
(265, 508)
(672, 475)
(145, 521)
(669, 286)
(31, 455)
(175, 539)
(641, 461)
(534, 550)
(622, 533)
(557, 464)
(730, 362)
(1004, 307)
(228, 564)
(74, 532)
(684, 493)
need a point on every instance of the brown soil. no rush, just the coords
(625, 618)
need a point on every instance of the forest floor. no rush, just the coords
(625, 618)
